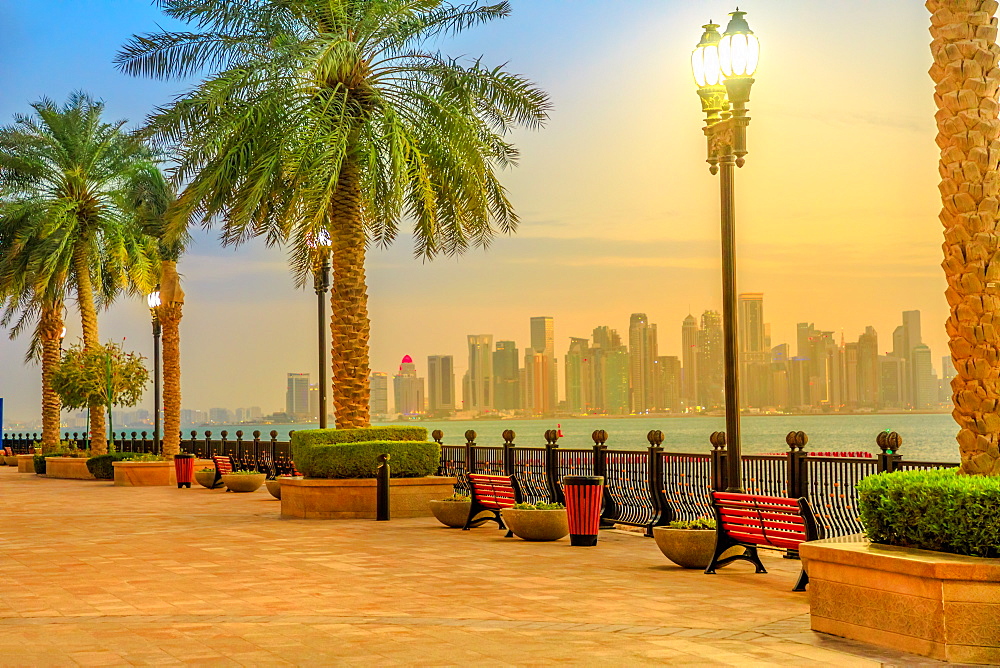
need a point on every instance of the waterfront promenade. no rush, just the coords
(98, 575)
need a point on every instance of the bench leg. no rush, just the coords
(803, 580)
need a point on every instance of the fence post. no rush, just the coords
(662, 512)
(601, 468)
(470, 454)
(382, 489)
(508, 451)
(888, 442)
(796, 441)
(720, 481)
(437, 435)
(552, 465)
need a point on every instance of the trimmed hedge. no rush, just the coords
(933, 510)
(407, 458)
(101, 466)
(39, 461)
(331, 436)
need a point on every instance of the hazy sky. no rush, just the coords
(836, 207)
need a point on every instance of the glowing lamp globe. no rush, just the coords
(705, 58)
(738, 50)
(153, 299)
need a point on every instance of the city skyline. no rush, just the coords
(592, 248)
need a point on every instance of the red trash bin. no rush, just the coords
(184, 466)
(584, 494)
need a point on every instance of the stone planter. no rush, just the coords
(540, 525)
(145, 474)
(354, 498)
(10, 461)
(451, 513)
(206, 478)
(274, 487)
(688, 548)
(243, 482)
(74, 468)
(931, 603)
(25, 463)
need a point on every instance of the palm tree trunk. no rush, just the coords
(88, 316)
(964, 71)
(349, 304)
(50, 329)
(169, 314)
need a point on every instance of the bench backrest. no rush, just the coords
(8, 451)
(765, 520)
(492, 491)
(223, 464)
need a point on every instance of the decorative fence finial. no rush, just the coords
(508, 436)
(437, 435)
(655, 437)
(600, 437)
(718, 439)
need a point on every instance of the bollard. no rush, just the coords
(382, 489)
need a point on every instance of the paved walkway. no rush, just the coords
(98, 575)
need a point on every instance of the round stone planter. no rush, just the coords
(274, 487)
(354, 498)
(206, 478)
(10, 461)
(451, 513)
(145, 474)
(243, 482)
(688, 548)
(539, 525)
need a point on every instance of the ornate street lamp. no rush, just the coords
(723, 67)
(154, 302)
(320, 245)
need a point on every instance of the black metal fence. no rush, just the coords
(651, 487)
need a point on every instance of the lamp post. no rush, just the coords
(154, 302)
(320, 245)
(723, 67)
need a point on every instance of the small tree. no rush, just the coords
(100, 376)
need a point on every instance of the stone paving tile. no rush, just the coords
(96, 575)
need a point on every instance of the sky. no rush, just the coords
(836, 206)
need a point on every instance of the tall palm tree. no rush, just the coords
(32, 298)
(333, 115)
(965, 57)
(67, 183)
(154, 199)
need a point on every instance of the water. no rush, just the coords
(926, 437)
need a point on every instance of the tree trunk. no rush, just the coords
(349, 324)
(170, 320)
(965, 72)
(88, 316)
(49, 330)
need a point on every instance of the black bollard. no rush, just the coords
(382, 489)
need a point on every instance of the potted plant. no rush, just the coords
(206, 478)
(689, 544)
(274, 487)
(144, 470)
(452, 511)
(539, 522)
(243, 480)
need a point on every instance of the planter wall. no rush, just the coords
(935, 604)
(145, 474)
(352, 498)
(25, 463)
(74, 468)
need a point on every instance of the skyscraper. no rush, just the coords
(869, 378)
(578, 376)
(754, 351)
(408, 388)
(606, 342)
(543, 343)
(378, 402)
(642, 350)
(297, 395)
(667, 381)
(479, 385)
(711, 380)
(689, 361)
(506, 374)
(616, 388)
(440, 384)
(925, 389)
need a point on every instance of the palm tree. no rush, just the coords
(29, 297)
(965, 55)
(333, 116)
(67, 184)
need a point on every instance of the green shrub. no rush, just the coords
(331, 436)
(933, 510)
(142, 457)
(39, 464)
(408, 458)
(457, 497)
(246, 472)
(700, 524)
(102, 466)
(539, 506)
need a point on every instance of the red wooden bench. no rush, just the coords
(223, 465)
(751, 521)
(490, 493)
